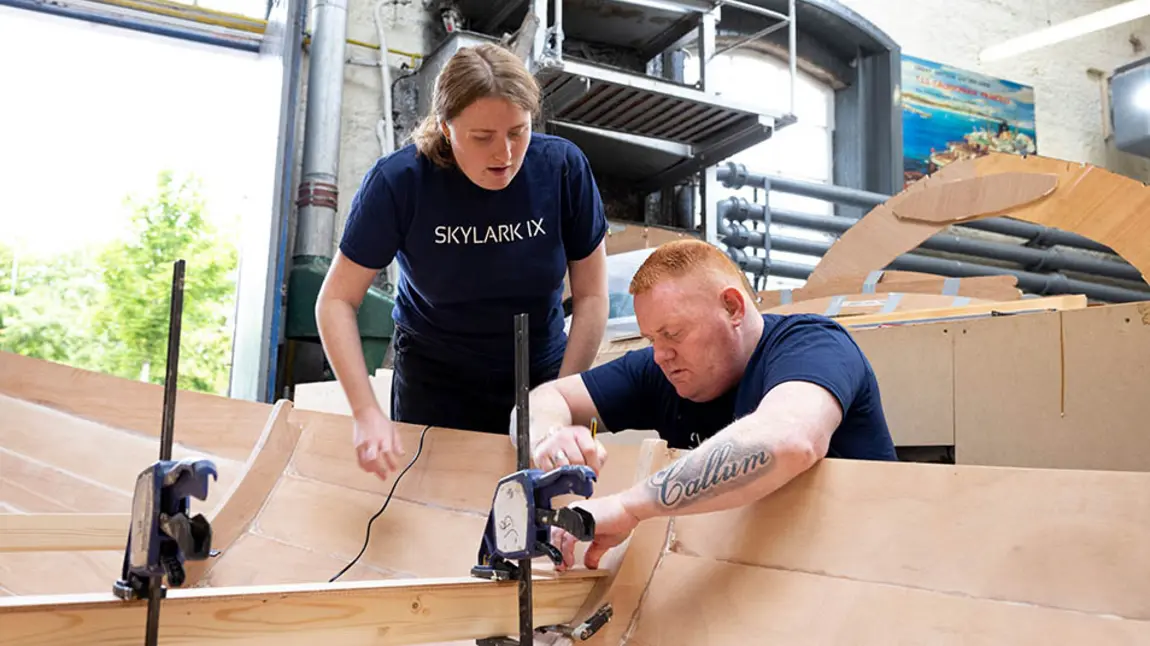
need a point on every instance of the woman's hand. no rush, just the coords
(377, 444)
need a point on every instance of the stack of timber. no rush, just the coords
(851, 552)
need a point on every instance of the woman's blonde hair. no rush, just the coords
(473, 73)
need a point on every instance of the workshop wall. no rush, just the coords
(1068, 110)
(1068, 104)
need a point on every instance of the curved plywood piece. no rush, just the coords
(1090, 201)
(263, 469)
(967, 199)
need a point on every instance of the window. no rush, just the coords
(802, 150)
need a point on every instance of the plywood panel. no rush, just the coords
(447, 473)
(1060, 538)
(1058, 390)
(249, 561)
(217, 425)
(701, 601)
(914, 366)
(34, 486)
(407, 538)
(1106, 354)
(92, 451)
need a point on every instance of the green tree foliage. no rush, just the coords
(107, 309)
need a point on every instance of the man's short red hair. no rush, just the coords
(687, 257)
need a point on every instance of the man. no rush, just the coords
(759, 398)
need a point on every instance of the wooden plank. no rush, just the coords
(995, 288)
(1029, 305)
(209, 423)
(63, 532)
(844, 307)
(701, 601)
(355, 613)
(966, 199)
(1073, 540)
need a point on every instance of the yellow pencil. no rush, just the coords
(594, 426)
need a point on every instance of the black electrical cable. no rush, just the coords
(367, 538)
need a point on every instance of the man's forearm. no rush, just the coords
(735, 467)
(588, 322)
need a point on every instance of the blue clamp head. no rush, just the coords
(162, 536)
(519, 525)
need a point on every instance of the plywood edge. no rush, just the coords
(403, 611)
(652, 458)
(238, 509)
(67, 532)
(1027, 305)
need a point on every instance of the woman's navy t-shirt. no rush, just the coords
(473, 258)
(632, 392)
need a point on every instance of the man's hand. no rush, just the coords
(569, 445)
(613, 524)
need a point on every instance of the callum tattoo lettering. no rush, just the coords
(705, 473)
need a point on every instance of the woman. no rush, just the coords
(484, 217)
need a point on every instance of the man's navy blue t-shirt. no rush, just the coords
(632, 392)
(473, 258)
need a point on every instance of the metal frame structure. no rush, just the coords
(644, 129)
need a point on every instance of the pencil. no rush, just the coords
(594, 426)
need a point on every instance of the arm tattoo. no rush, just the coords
(710, 471)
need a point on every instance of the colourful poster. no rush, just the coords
(950, 114)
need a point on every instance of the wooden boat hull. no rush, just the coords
(851, 552)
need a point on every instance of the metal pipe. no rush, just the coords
(792, 57)
(736, 176)
(319, 185)
(1034, 259)
(1046, 284)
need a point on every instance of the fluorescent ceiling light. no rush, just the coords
(1072, 28)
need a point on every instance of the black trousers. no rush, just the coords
(426, 389)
